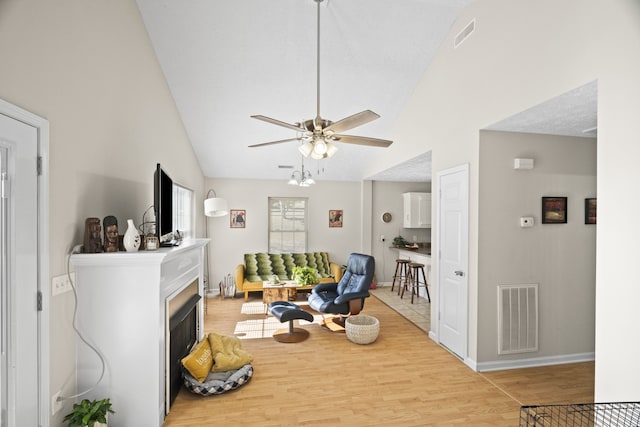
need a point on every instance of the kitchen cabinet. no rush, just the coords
(417, 210)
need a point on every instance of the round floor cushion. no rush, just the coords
(219, 382)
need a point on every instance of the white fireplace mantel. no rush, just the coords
(122, 300)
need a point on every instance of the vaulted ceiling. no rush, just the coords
(226, 60)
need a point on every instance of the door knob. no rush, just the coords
(458, 273)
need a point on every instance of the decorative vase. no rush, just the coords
(131, 239)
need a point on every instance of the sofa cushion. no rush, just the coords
(289, 263)
(261, 266)
(258, 267)
(277, 266)
(322, 264)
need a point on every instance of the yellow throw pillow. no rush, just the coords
(199, 361)
(227, 353)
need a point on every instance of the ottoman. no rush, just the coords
(286, 311)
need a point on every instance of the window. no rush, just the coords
(287, 224)
(183, 211)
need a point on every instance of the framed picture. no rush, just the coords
(590, 211)
(335, 218)
(238, 218)
(554, 210)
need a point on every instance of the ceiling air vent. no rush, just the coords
(464, 34)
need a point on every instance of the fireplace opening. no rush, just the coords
(183, 335)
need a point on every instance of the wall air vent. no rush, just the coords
(465, 33)
(517, 318)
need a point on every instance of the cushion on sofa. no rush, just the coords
(277, 266)
(251, 267)
(261, 266)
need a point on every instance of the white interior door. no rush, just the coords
(19, 277)
(453, 258)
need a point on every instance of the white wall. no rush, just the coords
(521, 54)
(228, 245)
(89, 68)
(560, 258)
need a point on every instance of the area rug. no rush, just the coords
(253, 308)
(265, 327)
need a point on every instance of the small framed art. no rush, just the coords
(590, 211)
(335, 218)
(238, 218)
(554, 210)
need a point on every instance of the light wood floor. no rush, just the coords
(403, 378)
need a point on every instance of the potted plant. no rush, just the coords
(399, 242)
(89, 413)
(305, 275)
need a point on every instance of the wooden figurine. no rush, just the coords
(110, 224)
(92, 236)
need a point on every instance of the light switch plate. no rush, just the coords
(61, 284)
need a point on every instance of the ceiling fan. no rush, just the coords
(318, 135)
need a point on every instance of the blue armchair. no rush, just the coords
(347, 296)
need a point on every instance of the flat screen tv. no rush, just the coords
(163, 205)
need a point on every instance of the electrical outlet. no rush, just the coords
(56, 404)
(61, 284)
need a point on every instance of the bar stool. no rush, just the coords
(401, 273)
(415, 269)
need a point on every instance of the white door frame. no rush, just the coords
(464, 268)
(42, 125)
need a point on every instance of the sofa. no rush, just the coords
(259, 267)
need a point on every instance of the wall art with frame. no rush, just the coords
(335, 218)
(554, 210)
(590, 211)
(238, 218)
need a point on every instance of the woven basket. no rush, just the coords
(362, 329)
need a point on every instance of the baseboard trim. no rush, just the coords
(531, 362)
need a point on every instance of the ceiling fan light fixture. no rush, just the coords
(331, 149)
(319, 146)
(293, 180)
(302, 177)
(308, 179)
(316, 156)
(306, 148)
(317, 133)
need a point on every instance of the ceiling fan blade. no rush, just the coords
(353, 121)
(363, 140)
(274, 142)
(279, 123)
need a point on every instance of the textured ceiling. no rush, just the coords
(225, 60)
(574, 113)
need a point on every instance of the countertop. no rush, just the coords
(420, 250)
